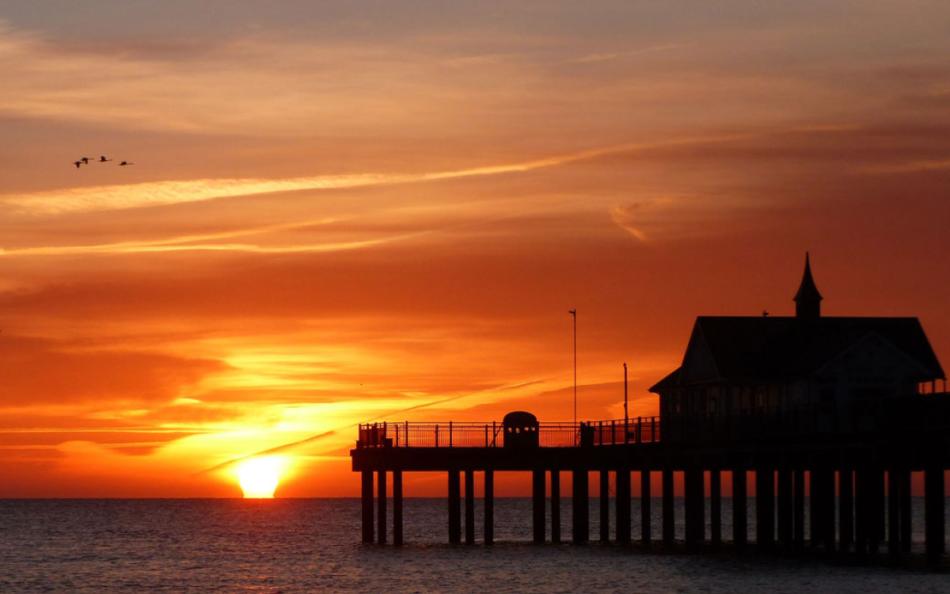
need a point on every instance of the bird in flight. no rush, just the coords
(124, 163)
(78, 164)
(102, 159)
(85, 160)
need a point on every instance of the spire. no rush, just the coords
(807, 299)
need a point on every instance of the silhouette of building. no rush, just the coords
(767, 377)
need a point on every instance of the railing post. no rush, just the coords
(486, 435)
(397, 436)
(494, 434)
(613, 433)
(450, 433)
(436, 435)
(653, 429)
(407, 434)
(639, 436)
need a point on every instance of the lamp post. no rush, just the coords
(573, 313)
(626, 416)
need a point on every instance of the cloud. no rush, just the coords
(611, 56)
(163, 193)
(45, 371)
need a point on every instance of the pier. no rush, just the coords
(826, 419)
(871, 519)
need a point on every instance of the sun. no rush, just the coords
(260, 476)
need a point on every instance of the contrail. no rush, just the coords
(169, 192)
(274, 450)
(294, 444)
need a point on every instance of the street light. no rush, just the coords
(626, 416)
(573, 313)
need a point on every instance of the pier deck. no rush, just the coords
(858, 486)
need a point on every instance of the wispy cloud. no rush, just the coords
(610, 56)
(909, 167)
(162, 193)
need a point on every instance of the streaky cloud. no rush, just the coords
(165, 193)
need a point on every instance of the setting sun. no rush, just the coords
(259, 477)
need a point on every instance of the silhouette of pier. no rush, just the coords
(841, 411)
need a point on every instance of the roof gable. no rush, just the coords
(873, 357)
(769, 348)
(699, 363)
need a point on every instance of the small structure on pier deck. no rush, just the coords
(521, 430)
(768, 376)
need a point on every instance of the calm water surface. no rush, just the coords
(313, 545)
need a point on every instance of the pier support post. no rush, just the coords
(845, 510)
(785, 507)
(876, 521)
(861, 508)
(381, 506)
(814, 505)
(397, 507)
(739, 510)
(798, 504)
(367, 500)
(764, 508)
(694, 504)
(580, 507)
(555, 506)
(715, 507)
(605, 505)
(905, 509)
(893, 513)
(489, 504)
(646, 511)
(823, 507)
(537, 505)
(669, 515)
(622, 499)
(455, 512)
(469, 506)
(934, 500)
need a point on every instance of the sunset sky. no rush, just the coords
(341, 210)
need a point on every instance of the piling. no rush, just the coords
(580, 507)
(455, 511)
(669, 515)
(764, 508)
(934, 501)
(555, 506)
(784, 502)
(367, 500)
(381, 507)
(489, 504)
(469, 506)
(622, 498)
(715, 507)
(739, 495)
(694, 507)
(537, 505)
(845, 510)
(397, 507)
(646, 511)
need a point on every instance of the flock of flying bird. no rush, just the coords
(102, 159)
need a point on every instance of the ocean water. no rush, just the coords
(312, 545)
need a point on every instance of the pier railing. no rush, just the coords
(491, 435)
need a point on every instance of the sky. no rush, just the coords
(339, 211)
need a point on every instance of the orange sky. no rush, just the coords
(340, 212)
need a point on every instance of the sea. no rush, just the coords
(313, 545)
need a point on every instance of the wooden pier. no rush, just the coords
(858, 490)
